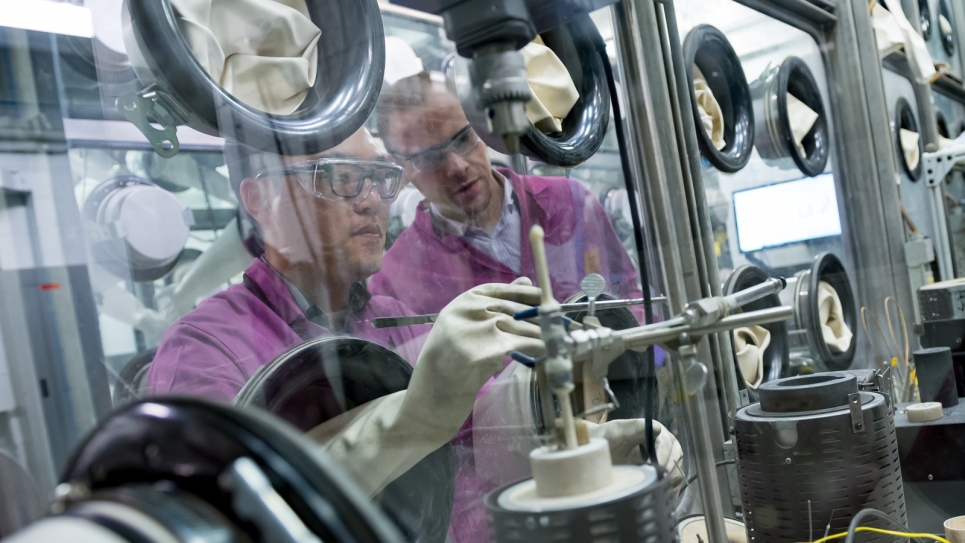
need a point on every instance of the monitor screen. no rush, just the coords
(783, 213)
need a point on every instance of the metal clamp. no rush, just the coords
(136, 107)
(939, 164)
(857, 417)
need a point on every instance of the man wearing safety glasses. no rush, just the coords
(473, 226)
(472, 229)
(321, 222)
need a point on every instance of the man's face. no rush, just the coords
(341, 236)
(460, 186)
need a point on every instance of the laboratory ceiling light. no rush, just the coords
(47, 16)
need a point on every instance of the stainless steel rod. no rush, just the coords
(639, 338)
(392, 322)
(772, 285)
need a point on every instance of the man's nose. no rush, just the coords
(368, 201)
(456, 165)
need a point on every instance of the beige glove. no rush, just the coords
(909, 147)
(920, 60)
(750, 344)
(833, 328)
(944, 25)
(888, 35)
(465, 348)
(625, 438)
(554, 93)
(710, 114)
(264, 52)
(802, 119)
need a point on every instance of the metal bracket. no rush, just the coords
(135, 107)
(883, 379)
(939, 164)
(745, 398)
(857, 417)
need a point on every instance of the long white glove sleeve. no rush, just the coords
(467, 345)
(625, 438)
(264, 52)
(711, 116)
(834, 330)
(750, 343)
(554, 93)
(802, 119)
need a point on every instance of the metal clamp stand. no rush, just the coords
(600, 346)
(936, 167)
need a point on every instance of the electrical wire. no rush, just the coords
(651, 368)
(886, 532)
(856, 522)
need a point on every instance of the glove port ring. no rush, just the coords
(708, 49)
(351, 63)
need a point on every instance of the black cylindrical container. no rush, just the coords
(774, 139)
(643, 514)
(936, 376)
(816, 447)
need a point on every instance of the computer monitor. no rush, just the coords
(783, 213)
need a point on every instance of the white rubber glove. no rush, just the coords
(888, 35)
(711, 116)
(833, 328)
(802, 119)
(554, 93)
(909, 147)
(264, 52)
(625, 437)
(750, 343)
(466, 346)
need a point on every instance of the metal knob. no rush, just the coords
(593, 286)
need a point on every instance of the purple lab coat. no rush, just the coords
(425, 272)
(216, 348)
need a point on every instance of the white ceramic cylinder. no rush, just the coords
(569, 472)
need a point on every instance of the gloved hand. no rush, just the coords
(625, 438)
(466, 346)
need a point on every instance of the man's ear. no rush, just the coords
(256, 196)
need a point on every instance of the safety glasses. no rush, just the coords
(331, 178)
(434, 158)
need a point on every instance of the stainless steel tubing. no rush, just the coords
(724, 360)
(649, 119)
(640, 338)
(756, 292)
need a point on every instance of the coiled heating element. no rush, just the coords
(814, 452)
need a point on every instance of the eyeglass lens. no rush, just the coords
(461, 144)
(348, 181)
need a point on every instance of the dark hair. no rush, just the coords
(245, 162)
(408, 93)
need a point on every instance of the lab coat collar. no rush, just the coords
(267, 279)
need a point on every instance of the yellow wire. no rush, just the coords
(906, 535)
